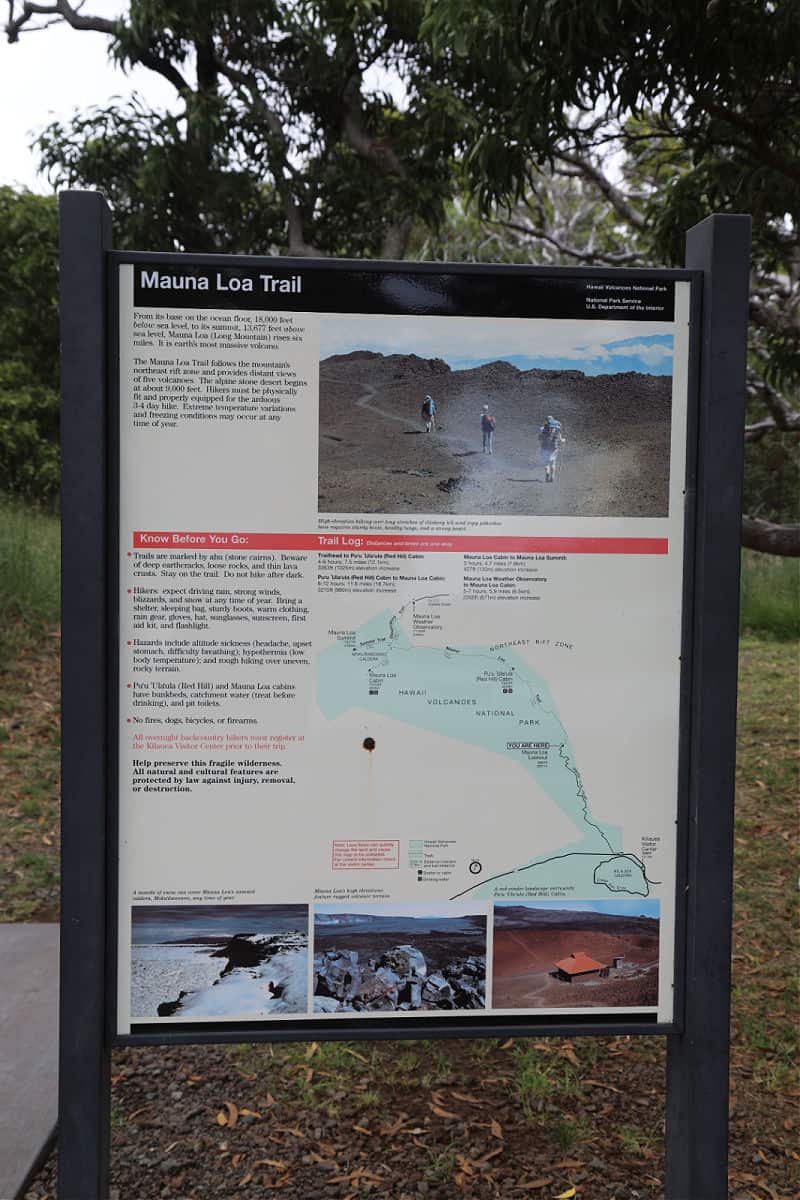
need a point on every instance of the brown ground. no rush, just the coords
(376, 457)
(524, 961)
(466, 1119)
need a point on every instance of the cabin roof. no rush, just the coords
(575, 964)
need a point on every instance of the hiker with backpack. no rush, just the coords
(429, 413)
(487, 429)
(551, 439)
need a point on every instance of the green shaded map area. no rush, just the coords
(492, 699)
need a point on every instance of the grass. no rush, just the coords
(766, 933)
(638, 1142)
(29, 730)
(540, 1079)
(29, 565)
(441, 1164)
(770, 595)
(570, 1132)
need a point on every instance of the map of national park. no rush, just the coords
(492, 699)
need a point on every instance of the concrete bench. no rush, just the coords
(28, 1051)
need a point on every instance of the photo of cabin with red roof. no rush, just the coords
(576, 954)
(578, 966)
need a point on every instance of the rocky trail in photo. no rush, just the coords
(375, 455)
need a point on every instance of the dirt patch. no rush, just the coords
(29, 780)
(408, 1120)
(615, 461)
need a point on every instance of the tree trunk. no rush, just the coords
(770, 538)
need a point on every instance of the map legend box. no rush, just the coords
(365, 855)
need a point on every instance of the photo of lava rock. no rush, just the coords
(398, 958)
(576, 954)
(472, 416)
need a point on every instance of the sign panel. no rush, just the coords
(400, 595)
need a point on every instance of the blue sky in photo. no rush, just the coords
(650, 355)
(593, 347)
(637, 907)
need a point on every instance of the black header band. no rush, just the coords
(292, 285)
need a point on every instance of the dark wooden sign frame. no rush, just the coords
(717, 265)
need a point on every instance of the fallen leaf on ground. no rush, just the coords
(395, 1127)
(231, 1114)
(442, 1112)
(486, 1157)
(355, 1054)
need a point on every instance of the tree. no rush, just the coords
(29, 460)
(288, 142)
(702, 103)
(29, 283)
(592, 133)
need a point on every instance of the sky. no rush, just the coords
(53, 73)
(620, 908)
(420, 911)
(594, 347)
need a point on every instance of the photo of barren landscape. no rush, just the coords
(218, 961)
(576, 954)
(613, 398)
(398, 958)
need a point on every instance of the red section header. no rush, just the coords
(400, 543)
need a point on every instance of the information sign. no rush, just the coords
(401, 595)
(399, 648)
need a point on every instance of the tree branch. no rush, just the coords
(769, 538)
(298, 246)
(63, 10)
(59, 8)
(758, 143)
(164, 68)
(783, 417)
(613, 195)
(778, 320)
(585, 256)
(395, 239)
(374, 150)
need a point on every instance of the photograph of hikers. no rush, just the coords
(479, 416)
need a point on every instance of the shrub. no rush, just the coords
(29, 455)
